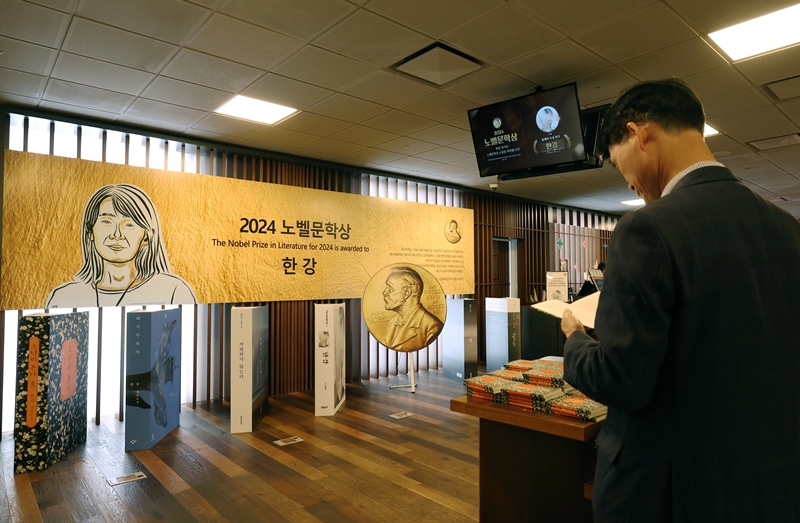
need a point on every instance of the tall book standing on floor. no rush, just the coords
(249, 364)
(329, 358)
(153, 376)
(52, 375)
(502, 332)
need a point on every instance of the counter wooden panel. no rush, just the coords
(533, 466)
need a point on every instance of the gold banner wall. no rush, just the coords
(228, 240)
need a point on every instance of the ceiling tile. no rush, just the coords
(723, 147)
(406, 145)
(414, 164)
(791, 109)
(602, 85)
(376, 156)
(152, 125)
(347, 108)
(364, 135)
(783, 89)
(104, 75)
(433, 18)
(328, 146)
(62, 5)
(580, 15)
(369, 38)
(320, 67)
(734, 102)
(33, 23)
(298, 18)
(444, 155)
(114, 45)
(167, 20)
(267, 146)
(440, 105)
(26, 57)
(712, 15)
(462, 122)
(176, 92)
(73, 109)
(25, 84)
(218, 123)
(285, 137)
(84, 96)
(399, 122)
(787, 158)
(492, 85)
(503, 35)
(756, 124)
(716, 82)
(442, 135)
(555, 64)
(211, 137)
(651, 28)
(466, 146)
(771, 67)
(210, 71)
(683, 59)
(467, 163)
(160, 112)
(285, 91)
(242, 42)
(311, 123)
(388, 88)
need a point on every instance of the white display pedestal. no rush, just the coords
(460, 340)
(502, 332)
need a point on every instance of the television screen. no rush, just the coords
(534, 131)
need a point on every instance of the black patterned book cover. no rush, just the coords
(152, 376)
(52, 375)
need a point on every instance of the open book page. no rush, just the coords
(583, 309)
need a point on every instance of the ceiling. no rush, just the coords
(166, 64)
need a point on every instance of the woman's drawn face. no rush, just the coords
(117, 238)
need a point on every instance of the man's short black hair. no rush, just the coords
(669, 103)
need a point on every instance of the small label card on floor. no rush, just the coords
(400, 415)
(127, 478)
(288, 441)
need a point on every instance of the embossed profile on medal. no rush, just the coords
(124, 258)
(404, 307)
(452, 232)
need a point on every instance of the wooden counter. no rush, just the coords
(533, 466)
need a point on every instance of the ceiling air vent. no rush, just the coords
(438, 64)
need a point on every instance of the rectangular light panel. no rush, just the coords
(760, 35)
(255, 110)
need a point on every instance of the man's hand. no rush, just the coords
(570, 324)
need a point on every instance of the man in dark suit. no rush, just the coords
(697, 356)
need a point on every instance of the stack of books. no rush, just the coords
(520, 365)
(487, 387)
(534, 397)
(506, 374)
(579, 408)
(548, 376)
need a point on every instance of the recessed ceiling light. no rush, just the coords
(760, 35)
(255, 110)
(633, 203)
(709, 131)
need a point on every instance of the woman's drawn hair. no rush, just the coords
(131, 202)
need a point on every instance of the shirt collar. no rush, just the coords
(678, 177)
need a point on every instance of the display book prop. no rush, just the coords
(503, 332)
(329, 358)
(249, 364)
(460, 339)
(536, 385)
(584, 309)
(153, 377)
(50, 410)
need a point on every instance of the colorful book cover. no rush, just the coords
(52, 376)
(153, 377)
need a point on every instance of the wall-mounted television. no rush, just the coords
(534, 135)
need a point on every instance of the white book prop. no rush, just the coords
(329, 359)
(249, 363)
(583, 309)
(557, 285)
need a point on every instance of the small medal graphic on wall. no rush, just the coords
(404, 307)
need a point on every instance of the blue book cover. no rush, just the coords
(152, 376)
(52, 375)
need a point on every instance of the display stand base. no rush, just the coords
(412, 386)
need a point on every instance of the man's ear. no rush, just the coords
(641, 132)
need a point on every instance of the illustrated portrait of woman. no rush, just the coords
(124, 259)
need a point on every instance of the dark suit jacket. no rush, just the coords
(698, 359)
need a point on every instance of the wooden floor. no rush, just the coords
(359, 465)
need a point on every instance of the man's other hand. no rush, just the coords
(570, 324)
